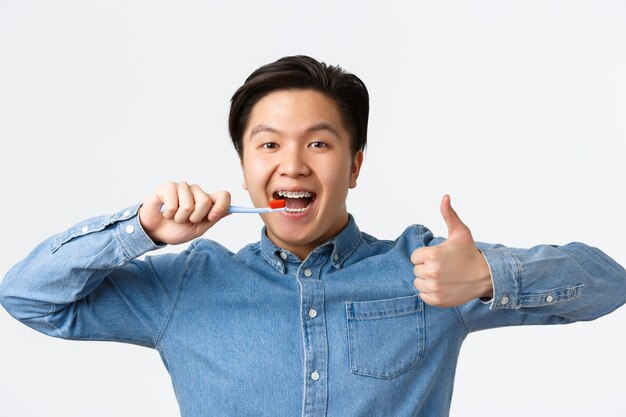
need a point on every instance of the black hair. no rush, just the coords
(302, 73)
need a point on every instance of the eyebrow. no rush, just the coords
(262, 128)
(314, 128)
(323, 126)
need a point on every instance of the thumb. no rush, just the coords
(457, 230)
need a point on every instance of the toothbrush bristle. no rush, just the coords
(277, 204)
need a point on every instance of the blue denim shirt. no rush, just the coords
(261, 333)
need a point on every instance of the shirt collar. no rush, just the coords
(341, 247)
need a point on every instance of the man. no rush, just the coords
(317, 318)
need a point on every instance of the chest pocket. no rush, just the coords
(385, 337)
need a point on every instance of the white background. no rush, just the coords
(517, 109)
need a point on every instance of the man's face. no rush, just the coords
(296, 147)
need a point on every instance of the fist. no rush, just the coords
(187, 214)
(454, 272)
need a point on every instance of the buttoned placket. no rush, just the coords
(314, 335)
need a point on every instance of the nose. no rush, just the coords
(293, 163)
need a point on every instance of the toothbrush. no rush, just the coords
(274, 206)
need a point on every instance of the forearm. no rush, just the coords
(546, 285)
(70, 265)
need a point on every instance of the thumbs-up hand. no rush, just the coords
(454, 272)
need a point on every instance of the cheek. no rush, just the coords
(254, 172)
(337, 180)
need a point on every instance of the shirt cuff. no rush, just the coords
(131, 235)
(505, 277)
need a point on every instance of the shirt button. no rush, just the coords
(126, 213)
(315, 376)
(549, 299)
(283, 255)
(336, 257)
(308, 272)
(84, 229)
(504, 301)
(130, 229)
(312, 313)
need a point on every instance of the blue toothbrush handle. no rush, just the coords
(239, 209)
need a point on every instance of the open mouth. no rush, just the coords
(295, 201)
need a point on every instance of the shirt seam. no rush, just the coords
(460, 317)
(421, 234)
(304, 349)
(569, 255)
(127, 256)
(176, 297)
(518, 278)
(128, 303)
(351, 249)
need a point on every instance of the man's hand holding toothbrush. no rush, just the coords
(178, 212)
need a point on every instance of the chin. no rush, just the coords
(295, 238)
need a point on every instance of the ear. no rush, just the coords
(357, 161)
(244, 184)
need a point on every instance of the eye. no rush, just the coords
(269, 145)
(318, 144)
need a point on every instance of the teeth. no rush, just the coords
(301, 210)
(295, 194)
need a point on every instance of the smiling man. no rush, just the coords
(298, 148)
(317, 318)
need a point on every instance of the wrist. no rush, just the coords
(485, 282)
